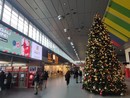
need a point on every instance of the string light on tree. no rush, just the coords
(103, 74)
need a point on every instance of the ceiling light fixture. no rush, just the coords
(65, 30)
(71, 43)
(60, 17)
(72, 46)
(69, 38)
(64, 3)
(76, 54)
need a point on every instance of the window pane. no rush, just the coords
(14, 18)
(20, 26)
(43, 42)
(26, 23)
(37, 39)
(30, 30)
(6, 16)
(40, 37)
(25, 31)
(1, 2)
(50, 44)
(47, 42)
(34, 33)
(14, 22)
(7, 6)
(21, 17)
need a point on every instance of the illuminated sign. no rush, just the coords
(12, 42)
(36, 51)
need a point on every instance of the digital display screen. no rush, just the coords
(14, 43)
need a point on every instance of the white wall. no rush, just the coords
(127, 56)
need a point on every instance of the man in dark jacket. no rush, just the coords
(45, 77)
(2, 79)
(9, 79)
(76, 75)
(67, 77)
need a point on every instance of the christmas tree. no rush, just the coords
(102, 73)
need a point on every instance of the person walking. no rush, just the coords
(9, 79)
(76, 75)
(45, 77)
(80, 75)
(2, 79)
(67, 77)
(36, 82)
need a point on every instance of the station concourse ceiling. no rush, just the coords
(76, 20)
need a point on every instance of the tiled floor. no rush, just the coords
(57, 89)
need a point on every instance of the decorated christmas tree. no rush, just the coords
(102, 72)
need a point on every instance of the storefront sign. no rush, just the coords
(23, 69)
(8, 69)
(50, 59)
(16, 69)
(56, 60)
(32, 68)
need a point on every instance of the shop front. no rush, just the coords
(17, 52)
(56, 70)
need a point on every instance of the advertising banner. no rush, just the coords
(9, 41)
(12, 42)
(36, 51)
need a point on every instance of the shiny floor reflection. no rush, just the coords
(57, 88)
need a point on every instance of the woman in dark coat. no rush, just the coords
(67, 77)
